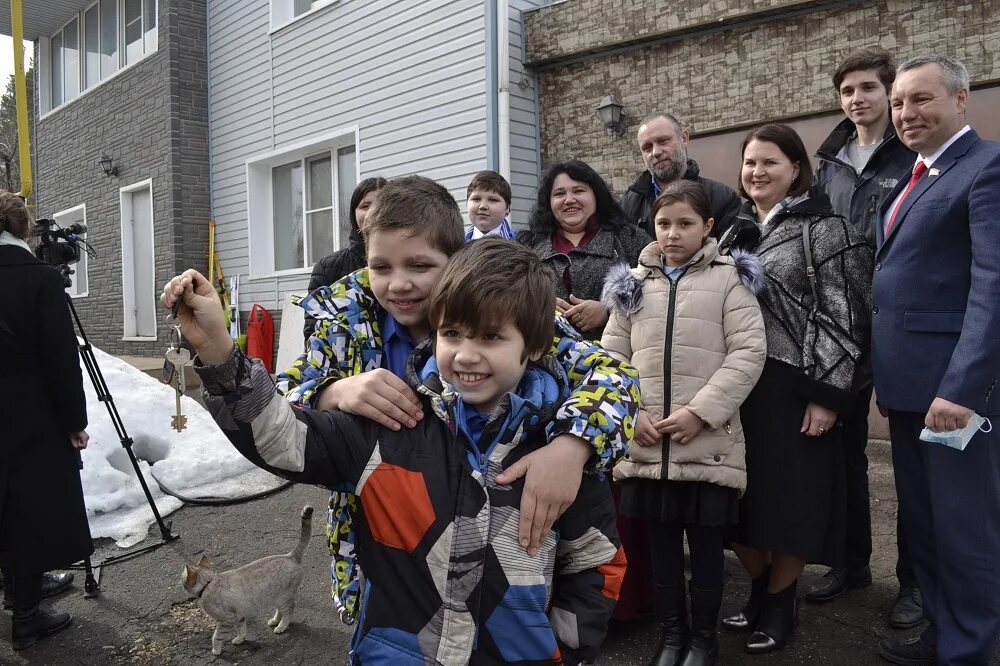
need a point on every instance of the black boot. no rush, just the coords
(747, 618)
(705, 605)
(30, 623)
(776, 623)
(29, 626)
(671, 611)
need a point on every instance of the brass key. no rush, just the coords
(178, 358)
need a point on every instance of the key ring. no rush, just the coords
(175, 337)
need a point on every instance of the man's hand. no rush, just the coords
(817, 420)
(378, 395)
(586, 315)
(562, 306)
(645, 431)
(681, 426)
(552, 476)
(945, 415)
(79, 439)
(200, 315)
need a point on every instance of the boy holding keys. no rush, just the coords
(448, 581)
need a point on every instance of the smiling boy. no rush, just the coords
(447, 580)
(488, 200)
(369, 322)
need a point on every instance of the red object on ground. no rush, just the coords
(260, 336)
(637, 596)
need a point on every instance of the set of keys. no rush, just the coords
(176, 358)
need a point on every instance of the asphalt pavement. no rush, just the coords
(143, 616)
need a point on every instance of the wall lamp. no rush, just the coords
(612, 115)
(107, 165)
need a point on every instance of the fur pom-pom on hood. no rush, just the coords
(622, 290)
(749, 268)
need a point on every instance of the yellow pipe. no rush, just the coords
(21, 99)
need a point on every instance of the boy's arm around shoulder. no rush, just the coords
(305, 446)
(604, 397)
(746, 351)
(589, 568)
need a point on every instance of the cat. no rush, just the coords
(229, 596)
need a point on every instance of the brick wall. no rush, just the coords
(152, 119)
(765, 60)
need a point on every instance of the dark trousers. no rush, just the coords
(26, 592)
(708, 564)
(858, 548)
(949, 502)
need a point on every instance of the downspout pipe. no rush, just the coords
(492, 84)
(503, 86)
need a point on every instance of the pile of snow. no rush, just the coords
(196, 462)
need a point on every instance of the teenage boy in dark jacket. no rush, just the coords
(860, 163)
(447, 580)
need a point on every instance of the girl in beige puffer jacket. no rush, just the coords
(688, 320)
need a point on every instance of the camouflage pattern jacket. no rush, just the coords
(601, 407)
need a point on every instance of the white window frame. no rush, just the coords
(45, 54)
(65, 218)
(260, 201)
(128, 283)
(283, 12)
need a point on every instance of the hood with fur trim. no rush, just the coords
(623, 285)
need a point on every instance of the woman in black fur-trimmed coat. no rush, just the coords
(43, 520)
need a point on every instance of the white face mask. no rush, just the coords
(958, 439)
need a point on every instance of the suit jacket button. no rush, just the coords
(878, 267)
(875, 310)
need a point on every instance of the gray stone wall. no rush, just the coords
(152, 119)
(771, 60)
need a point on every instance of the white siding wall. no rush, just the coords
(410, 75)
(524, 148)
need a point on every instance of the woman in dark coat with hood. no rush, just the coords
(43, 520)
(332, 267)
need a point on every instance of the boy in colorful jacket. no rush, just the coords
(370, 321)
(447, 579)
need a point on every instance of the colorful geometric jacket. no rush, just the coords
(446, 580)
(601, 407)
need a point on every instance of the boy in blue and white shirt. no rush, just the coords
(489, 206)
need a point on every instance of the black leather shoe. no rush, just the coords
(908, 611)
(52, 584)
(836, 583)
(29, 627)
(909, 652)
(746, 618)
(778, 617)
(704, 649)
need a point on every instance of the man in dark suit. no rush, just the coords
(936, 359)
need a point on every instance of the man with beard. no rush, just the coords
(663, 144)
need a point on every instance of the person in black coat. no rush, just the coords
(334, 266)
(43, 519)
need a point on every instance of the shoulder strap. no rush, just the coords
(810, 269)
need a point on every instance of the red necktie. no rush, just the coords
(918, 170)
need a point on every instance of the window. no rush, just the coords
(298, 202)
(106, 36)
(78, 280)
(286, 11)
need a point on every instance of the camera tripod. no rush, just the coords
(92, 585)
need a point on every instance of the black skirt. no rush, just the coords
(795, 499)
(690, 502)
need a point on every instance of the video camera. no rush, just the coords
(58, 246)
